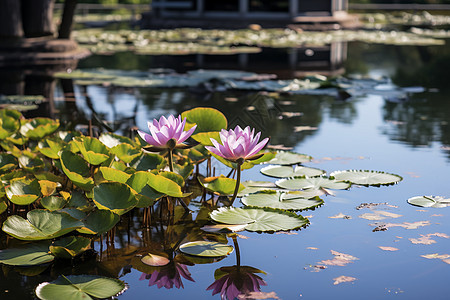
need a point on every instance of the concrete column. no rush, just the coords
(243, 7)
(293, 8)
(200, 7)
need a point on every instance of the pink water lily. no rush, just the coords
(238, 144)
(167, 133)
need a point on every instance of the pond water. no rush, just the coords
(374, 130)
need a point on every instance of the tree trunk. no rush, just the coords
(37, 17)
(10, 19)
(65, 28)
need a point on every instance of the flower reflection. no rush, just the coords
(168, 276)
(236, 282)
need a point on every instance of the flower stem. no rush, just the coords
(238, 183)
(238, 252)
(169, 155)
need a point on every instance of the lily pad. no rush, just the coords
(164, 185)
(289, 158)
(53, 202)
(155, 260)
(148, 162)
(206, 249)
(40, 225)
(366, 178)
(316, 183)
(259, 219)
(114, 196)
(93, 151)
(51, 148)
(207, 119)
(76, 168)
(7, 162)
(28, 255)
(256, 186)
(111, 140)
(70, 246)
(80, 287)
(37, 128)
(99, 221)
(22, 191)
(429, 201)
(221, 185)
(288, 171)
(295, 200)
(126, 152)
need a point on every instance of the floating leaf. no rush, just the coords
(259, 219)
(289, 158)
(113, 174)
(114, 196)
(22, 191)
(342, 279)
(288, 171)
(48, 187)
(53, 202)
(206, 249)
(295, 200)
(7, 162)
(223, 228)
(148, 162)
(155, 260)
(37, 128)
(111, 140)
(221, 185)
(429, 201)
(40, 225)
(70, 246)
(93, 151)
(79, 287)
(312, 183)
(207, 119)
(30, 164)
(256, 186)
(28, 255)
(99, 221)
(9, 122)
(366, 178)
(51, 148)
(165, 185)
(76, 168)
(126, 152)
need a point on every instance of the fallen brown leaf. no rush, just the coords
(342, 279)
(304, 128)
(406, 225)
(340, 216)
(388, 248)
(312, 248)
(427, 240)
(340, 259)
(258, 295)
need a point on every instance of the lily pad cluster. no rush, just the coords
(61, 192)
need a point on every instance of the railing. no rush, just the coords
(390, 6)
(86, 8)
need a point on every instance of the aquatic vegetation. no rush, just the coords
(63, 192)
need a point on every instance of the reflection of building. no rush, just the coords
(238, 13)
(286, 63)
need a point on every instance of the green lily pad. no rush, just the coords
(30, 164)
(48, 187)
(80, 287)
(206, 249)
(51, 148)
(114, 196)
(53, 202)
(256, 186)
(9, 122)
(259, 219)
(288, 171)
(207, 119)
(40, 225)
(78, 200)
(93, 151)
(295, 200)
(164, 185)
(23, 191)
(99, 221)
(28, 255)
(173, 176)
(366, 178)
(70, 246)
(289, 158)
(37, 128)
(148, 161)
(7, 162)
(111, 140)
(126, 152)
(76, 168)
(155, 260)
(221, 185)
(429, 201)
(146, 195)
(111, 174)
(312, 183)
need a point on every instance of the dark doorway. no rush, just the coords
(214, 5)
(268, 6)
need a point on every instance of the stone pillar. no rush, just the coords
(10, 19)
(200, 7)
(243, 7)
(37, 17)
(293, 8)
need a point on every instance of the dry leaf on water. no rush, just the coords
(340, 259)
(388, 248)
(279, 147)
(427, 240)
(312, 248)
(379, 215)
(406, 225)
(303, 128)
(444, 257)
(342, 279)
(340, 216)
(258, 295)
